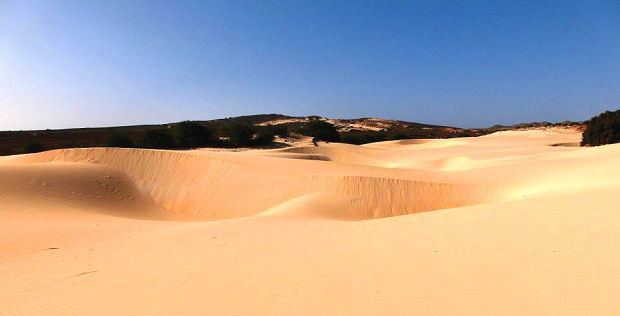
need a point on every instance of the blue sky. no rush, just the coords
(463, 63)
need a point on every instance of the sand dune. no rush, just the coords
(203, 185)
(506, 223)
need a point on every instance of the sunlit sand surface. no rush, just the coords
(509, 223)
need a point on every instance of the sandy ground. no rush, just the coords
(509, 223)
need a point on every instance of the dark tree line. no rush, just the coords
(602, 129)
(190, 134)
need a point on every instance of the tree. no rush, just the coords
(363, 137)
(158, 139)
(264, 137)
(118, 140)
(280, 130)
(602, 129)
(32, 147)
(241, 134)
(322, 130)
(191, 134)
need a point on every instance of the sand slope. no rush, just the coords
(513, 222)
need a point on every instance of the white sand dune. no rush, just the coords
(509, 223)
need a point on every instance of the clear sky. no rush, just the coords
(463, 63)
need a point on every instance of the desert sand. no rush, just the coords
(509, 223)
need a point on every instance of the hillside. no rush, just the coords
(353, 131)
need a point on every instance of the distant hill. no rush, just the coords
(542, 124)
(354, 131)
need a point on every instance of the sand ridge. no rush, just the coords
(203, 185)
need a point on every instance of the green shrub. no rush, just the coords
(240, 134)
(359, 138)
(280, 130)
(264, 137)
(322, 130)
(158, 139)
(398, 136)
(32, 147)
(356, 139)
(122, 141)
(191, 134)
(602, 129)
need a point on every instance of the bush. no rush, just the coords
(241, 134)
(359, 138)
(602, 129)
(122, 141)
(280, 130)
(322, 130)
(158, 139)
(32, 147)
(191, 134)
(355, 139)
(398, 136)
(264, 137)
